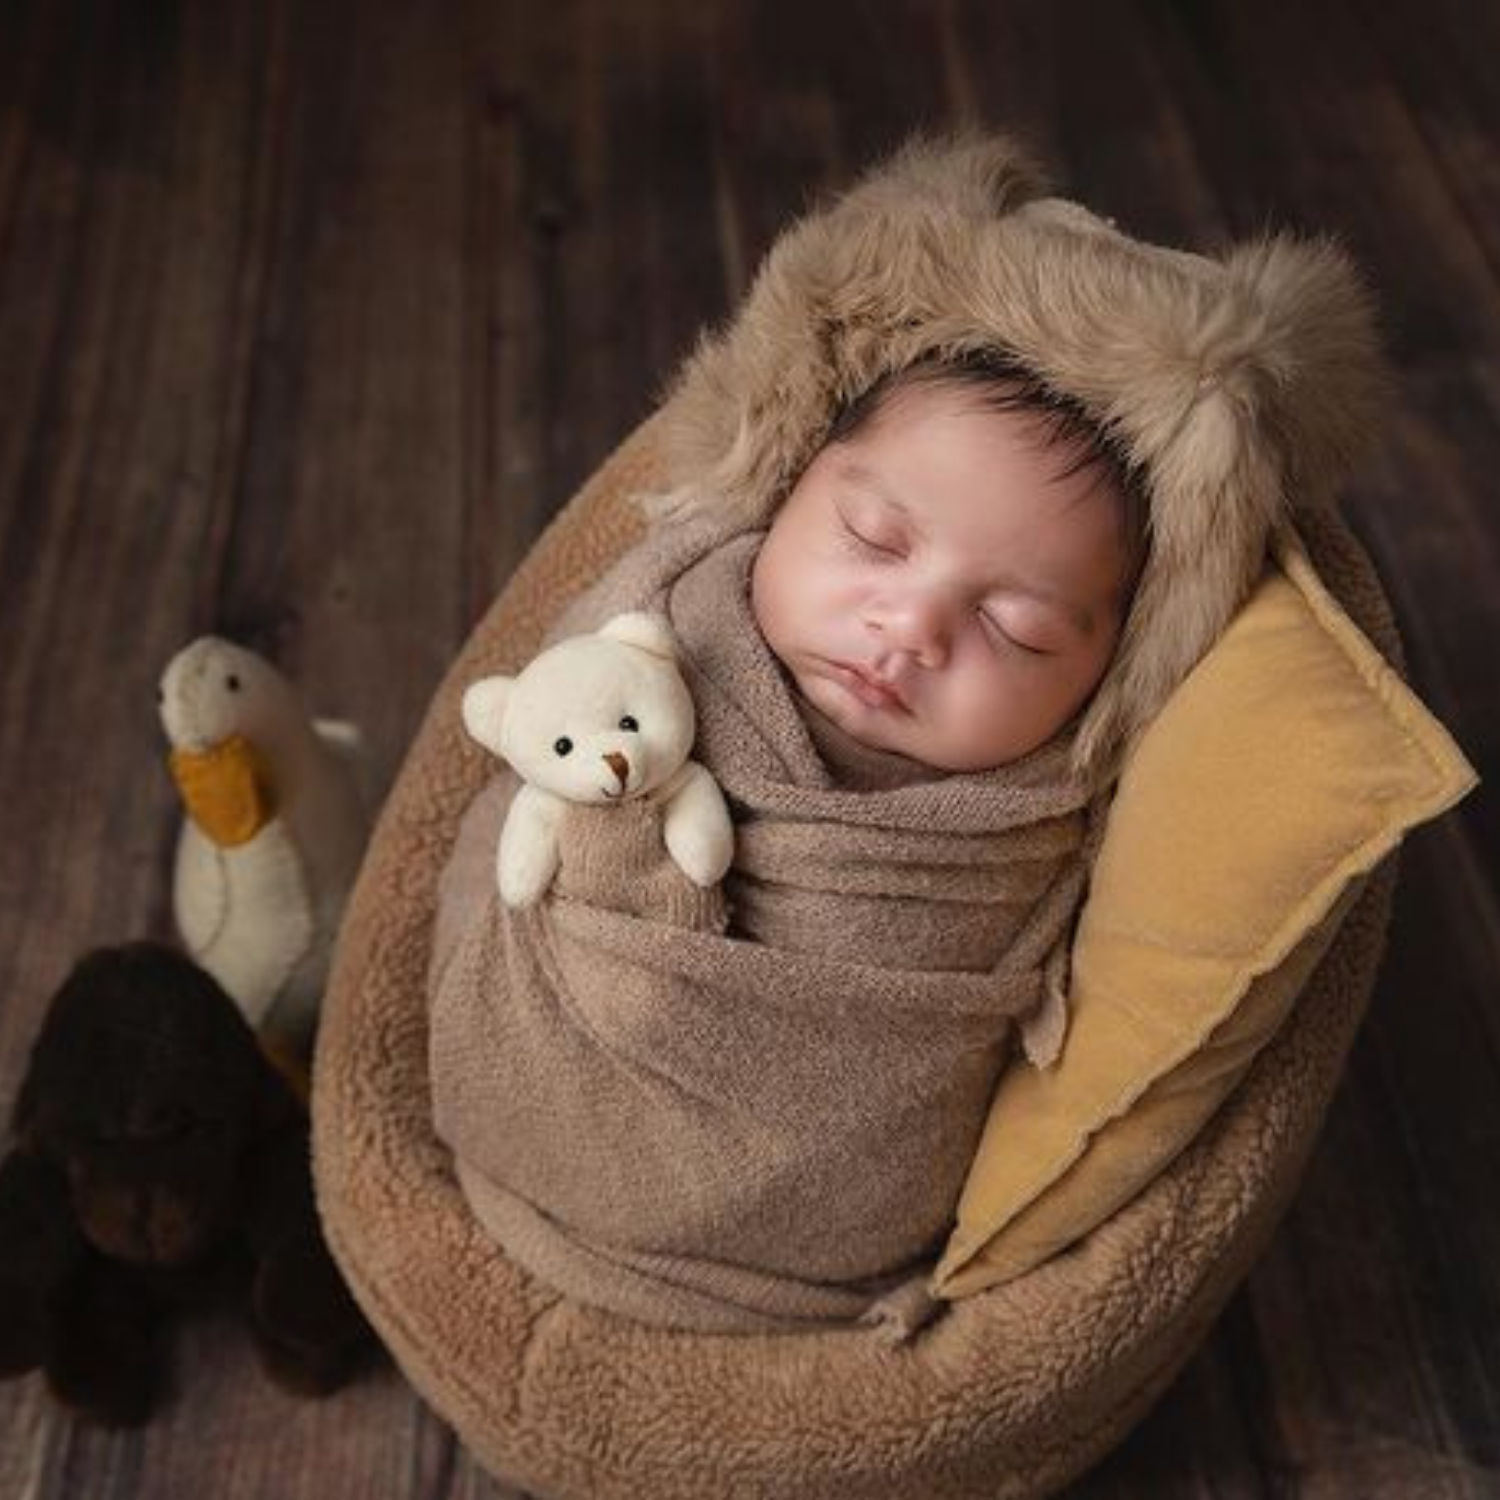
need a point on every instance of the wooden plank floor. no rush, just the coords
(311, 314)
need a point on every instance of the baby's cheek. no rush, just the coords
(983, 703)
(989, 701)
(835, 586)
(803, 570)
(785, 597)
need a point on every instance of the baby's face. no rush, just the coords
(936, 590)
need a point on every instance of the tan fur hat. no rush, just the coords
(1241, 387)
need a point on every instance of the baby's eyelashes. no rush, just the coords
(1003, 637)
(866, 545)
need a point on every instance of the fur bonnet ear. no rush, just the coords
(1238, 388)
(484, 705)
(1257, 411)
(646, 632)
(844, 294)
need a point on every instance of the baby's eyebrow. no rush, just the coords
(857, 473)
(1076, 615)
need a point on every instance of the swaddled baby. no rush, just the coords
(902, 542)
(933, 603)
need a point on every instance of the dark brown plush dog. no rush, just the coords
(161, 1164)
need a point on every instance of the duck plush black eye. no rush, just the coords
(232, 683)
(629, 723)
(563, 746)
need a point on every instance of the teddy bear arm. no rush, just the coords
(528, 855)
(40, 1247)
(697, 829)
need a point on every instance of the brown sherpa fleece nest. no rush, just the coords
(1012, 1393)
(1241, 387)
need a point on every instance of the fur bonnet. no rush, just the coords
(1239, 387)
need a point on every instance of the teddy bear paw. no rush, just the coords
(699, 853)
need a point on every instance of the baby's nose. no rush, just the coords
(916, 624)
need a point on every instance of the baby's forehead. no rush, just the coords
(1019, 501)
(909, 413)
(963, 453)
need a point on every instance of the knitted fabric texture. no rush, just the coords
(765, 1127)
(616, 858)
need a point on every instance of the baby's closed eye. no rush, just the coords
(870, 541)
(1003, 637)
(882, 542)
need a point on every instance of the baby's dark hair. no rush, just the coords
(1000, 383)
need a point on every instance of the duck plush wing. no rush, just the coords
(342, 737)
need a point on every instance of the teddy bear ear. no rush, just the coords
(484, 709)
(648, 632)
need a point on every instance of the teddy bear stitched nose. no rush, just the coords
(619, 765)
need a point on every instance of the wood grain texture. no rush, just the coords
(312, 315)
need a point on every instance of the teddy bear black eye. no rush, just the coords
(629, 723)
(232, 683)
(564, 746)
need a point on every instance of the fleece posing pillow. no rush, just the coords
(1286, 766)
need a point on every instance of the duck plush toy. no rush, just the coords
(271, 843)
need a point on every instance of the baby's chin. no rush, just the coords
(896, 732)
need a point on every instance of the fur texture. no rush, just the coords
(1241, 387)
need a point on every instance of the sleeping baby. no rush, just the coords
(968, 486)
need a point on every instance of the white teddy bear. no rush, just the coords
(599, 719)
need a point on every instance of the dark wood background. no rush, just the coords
(311, 314)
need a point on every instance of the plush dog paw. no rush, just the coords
(39, 1246)
(110, 1354)
(24, 1329)
(309, 1332)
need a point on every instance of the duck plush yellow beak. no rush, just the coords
(226, 790)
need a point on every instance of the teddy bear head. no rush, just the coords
(596, 718)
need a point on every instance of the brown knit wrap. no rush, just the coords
(615, 858)
(765, 1125)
